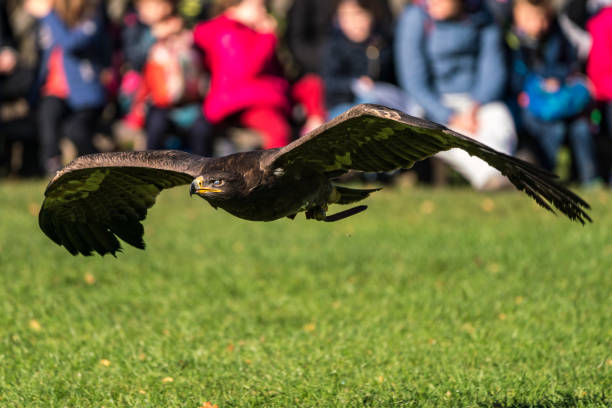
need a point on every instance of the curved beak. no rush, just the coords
(197, 187)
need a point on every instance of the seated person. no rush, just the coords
(359, 61)
(551, 94)
(174, 81)
(451, 62)
(246, 84)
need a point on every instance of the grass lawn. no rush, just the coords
(430, 298)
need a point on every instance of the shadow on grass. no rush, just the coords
(561, 401)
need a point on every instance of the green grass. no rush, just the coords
(427, 299)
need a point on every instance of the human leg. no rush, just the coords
(201, 137)
(51, 111)
(80, 128)
(270, 122)
(496, 130)
(548, 136)
(156, 126)
(581, 142)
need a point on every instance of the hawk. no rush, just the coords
(99, 198)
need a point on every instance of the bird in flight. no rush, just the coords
(101, 197)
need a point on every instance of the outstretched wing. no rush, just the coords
(375, 138)
(100, 197)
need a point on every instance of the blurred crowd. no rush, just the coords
(531, 78)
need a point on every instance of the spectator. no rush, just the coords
(239, 46)
(452, 63)
(550, 92)
(174, 81)
(599, 70)
(15, 80)
(72, 40)
(309, 25)
(359, 61)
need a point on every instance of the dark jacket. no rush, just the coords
(347, 61)
(6, 31)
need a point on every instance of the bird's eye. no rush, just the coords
(217, 183)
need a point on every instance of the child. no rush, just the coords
(239, 47)
(551, 95)
(359, 61)
(74, 52)
(172, 76)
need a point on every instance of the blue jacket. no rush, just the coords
(455, 56)
(86, 51)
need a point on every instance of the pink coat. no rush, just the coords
(242, 64)
(599, 64)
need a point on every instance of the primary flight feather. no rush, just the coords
(101, 197)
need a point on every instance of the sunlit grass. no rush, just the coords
(430, 298)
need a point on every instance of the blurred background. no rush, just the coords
(532, 78)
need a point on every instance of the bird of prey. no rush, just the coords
(101, 197)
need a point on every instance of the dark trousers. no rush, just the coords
(550, 135)
(159, 123)
(16, 84)
(55, 119)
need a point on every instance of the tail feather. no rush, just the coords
(352, 195)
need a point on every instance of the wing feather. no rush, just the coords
(101, 197)
(376, 138)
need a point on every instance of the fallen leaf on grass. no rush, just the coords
(493, 267)
(89, 278)
(518, 300)
(609, 362)
(167, 380)
(427, 207)
(380, 379)
(209, 405)
(502, 316)
(310, 327)
(487, 205)
(105, 362)
(143, 392)
(230, 347)
(33, 209)
(34, 325)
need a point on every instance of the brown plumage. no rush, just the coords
(100, 197)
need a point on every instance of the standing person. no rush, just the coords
(74, 52)
(551, 93)
(240, 53)
(452, 64)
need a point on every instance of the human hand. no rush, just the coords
(38, 8)
(365, 82)
(8, 60)
(464, 121)
(266, 24)
(551, 85)
(167, 27)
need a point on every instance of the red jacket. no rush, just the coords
(242, 65)
(599, 64)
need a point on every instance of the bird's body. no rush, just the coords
(265, 194)
(99, 198)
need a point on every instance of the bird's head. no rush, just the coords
(217, 186)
